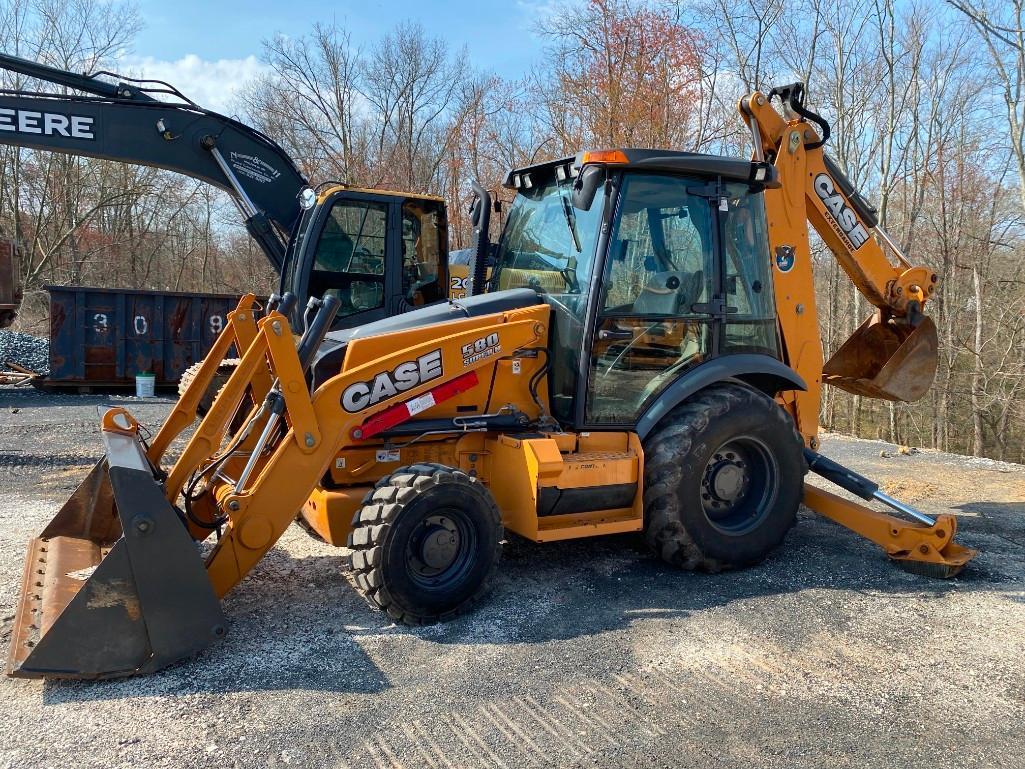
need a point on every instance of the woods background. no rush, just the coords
(926, 100)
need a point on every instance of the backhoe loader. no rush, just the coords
(647, 360)
(380, 252)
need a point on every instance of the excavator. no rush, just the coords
(380, 252)
(646, 359)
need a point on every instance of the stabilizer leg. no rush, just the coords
(925, 546)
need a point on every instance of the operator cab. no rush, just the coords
(653, 262)
(381, 253)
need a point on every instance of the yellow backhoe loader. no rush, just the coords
(647, 360)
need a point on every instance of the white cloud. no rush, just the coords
(211, 84)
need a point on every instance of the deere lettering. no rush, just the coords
(29, 122)
(405, 376)
(840, 212)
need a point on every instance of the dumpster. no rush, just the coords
(105, 337)
(10, 291)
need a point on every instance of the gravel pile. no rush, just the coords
(31, 352)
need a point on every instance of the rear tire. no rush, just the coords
(723, 479)
(426, 543)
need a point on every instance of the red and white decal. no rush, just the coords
(400, 412)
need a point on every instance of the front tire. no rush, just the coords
(426, 543)
(723, 479)
(224, 371)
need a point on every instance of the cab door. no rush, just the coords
(686, 279)
(353, 252)
(423, 269)
(658, 309)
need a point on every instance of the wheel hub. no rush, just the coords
(436, 545)
(738, 485)
(726, 480)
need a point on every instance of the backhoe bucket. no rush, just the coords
(885, 360)
(114, 585)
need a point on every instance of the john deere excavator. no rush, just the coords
(647, 360)
(379, 252)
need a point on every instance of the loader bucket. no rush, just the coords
(885, 360)
(114, 585)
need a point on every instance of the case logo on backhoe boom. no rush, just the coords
(405, 376)
(842, 215)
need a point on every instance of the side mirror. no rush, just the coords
(586, 185)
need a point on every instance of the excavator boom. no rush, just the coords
(891, 356)
(126, 123)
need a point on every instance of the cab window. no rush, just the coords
(424, 247)
(659, 274)
(350, 256)
(549, 246)
(751, 323)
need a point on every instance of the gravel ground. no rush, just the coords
(31, 352)
(588, 653)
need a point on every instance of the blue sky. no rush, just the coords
(209, 47)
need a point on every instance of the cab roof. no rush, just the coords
(332, 188)
(667, 161)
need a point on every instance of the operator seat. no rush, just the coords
(669, 293)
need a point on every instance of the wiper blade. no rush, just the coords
(571, 221)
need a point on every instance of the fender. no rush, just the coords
(762, 372)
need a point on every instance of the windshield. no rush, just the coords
(547, 244)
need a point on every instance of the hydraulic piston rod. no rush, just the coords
(868, 490)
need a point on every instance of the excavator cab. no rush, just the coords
(379, 253)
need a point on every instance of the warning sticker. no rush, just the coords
(416, 405)
(387, 455)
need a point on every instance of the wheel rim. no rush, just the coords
(739, 485)
(439, 552)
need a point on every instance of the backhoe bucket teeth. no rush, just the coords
(885, 360)
(114, 585)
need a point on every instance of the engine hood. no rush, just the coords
(332, 352)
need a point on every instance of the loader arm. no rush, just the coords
(127, 123)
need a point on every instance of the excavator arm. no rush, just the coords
(891, 356)
(124, 121)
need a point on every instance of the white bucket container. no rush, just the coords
(145, 385)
